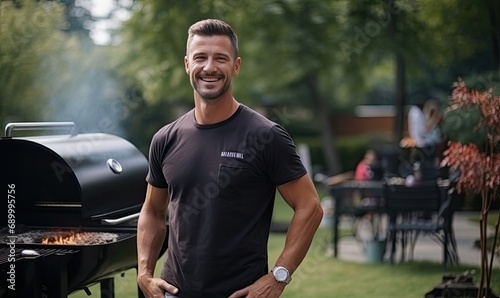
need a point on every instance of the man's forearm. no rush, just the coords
(151, 233)
(300, 234)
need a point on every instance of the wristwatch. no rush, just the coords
(281, 274)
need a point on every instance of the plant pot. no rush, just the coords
(375, 250)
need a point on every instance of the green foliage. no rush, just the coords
(28, 32)
(460, 125)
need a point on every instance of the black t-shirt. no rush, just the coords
(222, 182)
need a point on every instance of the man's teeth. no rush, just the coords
(210, 79)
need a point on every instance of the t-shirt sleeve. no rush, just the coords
(284, 163)
(155, 175)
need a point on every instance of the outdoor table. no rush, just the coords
(376, 189)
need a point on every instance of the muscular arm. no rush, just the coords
(302, 197)
(151, 230)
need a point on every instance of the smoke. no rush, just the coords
(80, 88)
(54, 71)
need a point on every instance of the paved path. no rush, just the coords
(466, 234)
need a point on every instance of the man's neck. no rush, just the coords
(211, 112)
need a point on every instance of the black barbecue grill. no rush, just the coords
(68, 186)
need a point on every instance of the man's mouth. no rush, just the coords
(210, 79)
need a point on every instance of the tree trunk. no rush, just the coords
(399, 99)
(325, 126)
(494, 12)
(399, 86)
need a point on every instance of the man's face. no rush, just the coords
(210, 64)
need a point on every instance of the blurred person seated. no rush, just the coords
(425, 139)
(423, 122)
(365, 170)
(368, 169)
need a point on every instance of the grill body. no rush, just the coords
(71, 180)
(85, 182)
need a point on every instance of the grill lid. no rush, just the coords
(72, 179)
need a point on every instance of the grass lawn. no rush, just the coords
(321, 276)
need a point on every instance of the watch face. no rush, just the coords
(281, 274)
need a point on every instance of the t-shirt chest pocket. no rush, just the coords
(236, 182)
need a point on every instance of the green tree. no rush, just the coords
(28, 31)
(296, 50)
(428, 43)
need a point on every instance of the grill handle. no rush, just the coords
(120, 220)
(9, 128)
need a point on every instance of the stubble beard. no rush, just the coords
(210, 94)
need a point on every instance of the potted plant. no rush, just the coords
(473, 153)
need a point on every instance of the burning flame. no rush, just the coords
(77, 238)
(72, 238)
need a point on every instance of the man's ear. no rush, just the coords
(237, 66)
(186, 64)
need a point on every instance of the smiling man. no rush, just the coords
(215, 172)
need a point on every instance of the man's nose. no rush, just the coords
(210, 65)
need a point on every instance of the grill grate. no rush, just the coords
(69, 237)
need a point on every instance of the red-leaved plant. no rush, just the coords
(479, 167)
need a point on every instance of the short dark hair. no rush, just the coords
(210, 27)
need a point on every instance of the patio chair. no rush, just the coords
(424, 208)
